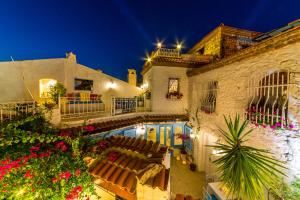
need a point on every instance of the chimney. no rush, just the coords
(131, 77)
(71, 56)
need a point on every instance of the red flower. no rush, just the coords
(54, 180)
(62, 146)
(65, 134)
(74, 193)
(46, 154)
(28, 174)
(77, 172)
(89, 128)
(65, 175)
(34, 148)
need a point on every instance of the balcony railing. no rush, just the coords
(13, 109)
(163, 52)
(127, 105)
(74, 107)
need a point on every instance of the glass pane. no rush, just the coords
(177, 138)
(168, 136)
(173, 85)
(151, 134)
(162, 135)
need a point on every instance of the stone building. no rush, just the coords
(234, 71)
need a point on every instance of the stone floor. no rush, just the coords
(184, 181)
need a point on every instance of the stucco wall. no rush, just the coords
(15, 88)
(232, 98)
(159, 81)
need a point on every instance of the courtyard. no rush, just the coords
(150, 100)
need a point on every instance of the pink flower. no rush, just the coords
(89, 128)
(273, 127)
(291, 126)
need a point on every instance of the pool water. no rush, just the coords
(164, 133)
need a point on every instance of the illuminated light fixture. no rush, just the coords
(178, 46)
(158, 45)
(111, 85)
(149, 59)
(140, 130)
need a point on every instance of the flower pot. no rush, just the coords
(183, 158)
(193, 167)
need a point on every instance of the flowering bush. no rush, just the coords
(174, 95)
(36, 163)
(44, 171)
(265, 120)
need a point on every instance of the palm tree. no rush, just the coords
(244, 170)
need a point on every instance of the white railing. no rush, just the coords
(12, 109)
(127, 105)
(208, 96)
(268, 99)
(163, 52)
(74, 107)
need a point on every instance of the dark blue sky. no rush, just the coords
(113, 35)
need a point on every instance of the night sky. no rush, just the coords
(114, 35)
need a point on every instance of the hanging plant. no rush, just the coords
(246, 172)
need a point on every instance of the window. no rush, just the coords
(268, 100)
(82, 84)
(208, 96)
(173, 85)
(45, 86)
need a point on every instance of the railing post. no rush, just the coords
(136, 104)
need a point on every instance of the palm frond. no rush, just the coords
(246, 171)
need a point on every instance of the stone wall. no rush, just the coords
(232, 99)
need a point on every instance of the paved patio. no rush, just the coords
(184, 181)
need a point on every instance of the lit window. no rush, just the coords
(173, 85)
(268, 100)
(45, 86)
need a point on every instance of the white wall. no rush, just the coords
(63, 70)
(158, 80)
(232, 98)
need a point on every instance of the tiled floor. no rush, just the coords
(184, 181)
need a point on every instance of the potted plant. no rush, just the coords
(193, 167)
(245, 171)
(183, 153)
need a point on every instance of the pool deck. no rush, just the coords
(184, 181)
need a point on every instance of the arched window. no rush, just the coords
(268, 104)
(45, 85)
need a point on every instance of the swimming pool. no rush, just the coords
(165, 133)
